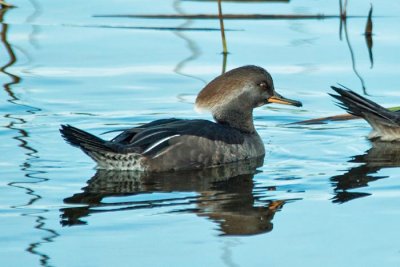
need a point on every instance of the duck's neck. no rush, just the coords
(238, 119)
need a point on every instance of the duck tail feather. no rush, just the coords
(358, 105)
(84, 140)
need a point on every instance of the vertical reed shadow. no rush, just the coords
(16, 124)
(190, 44)
(368, 36)
(343, 28)
(37, 11)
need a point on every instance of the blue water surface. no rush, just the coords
(324, 195)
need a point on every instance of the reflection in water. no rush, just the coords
(37, 11)
(22, 137)
(227, 251)
(380, 155)
(369, 41)
(343, 27)
(343, 23)
(195, 51)
(368, 37)
(193, 48)
(224, 195)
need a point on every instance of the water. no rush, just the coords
(324, 195)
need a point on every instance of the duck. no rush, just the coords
(185, 144)
(384, 122)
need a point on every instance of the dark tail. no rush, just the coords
(85, 141)
(360, 106)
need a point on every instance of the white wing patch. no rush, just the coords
(159, 143)
(147, 136)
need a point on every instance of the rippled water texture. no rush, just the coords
(322, 196)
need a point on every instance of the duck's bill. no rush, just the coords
(278, 99)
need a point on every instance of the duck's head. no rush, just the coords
(232, 96)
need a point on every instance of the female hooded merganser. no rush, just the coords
(385, 123)
(178, 144)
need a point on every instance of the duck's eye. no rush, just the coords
(263, 85)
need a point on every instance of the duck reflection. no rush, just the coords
(223, 195)
(381, 155)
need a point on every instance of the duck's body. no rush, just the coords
(168, 144)
(385, 123)
(176, 144)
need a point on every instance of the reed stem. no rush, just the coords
(221, 23)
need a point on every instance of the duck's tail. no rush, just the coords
(84, 140)
(358, 105)
(386, 123)
(107, 154)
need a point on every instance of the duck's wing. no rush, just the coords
(153, 137)
(89, 142)
(127, 135)
(386, 123)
